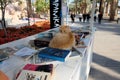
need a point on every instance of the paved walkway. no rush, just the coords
(106, 52)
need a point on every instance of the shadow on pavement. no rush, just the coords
(109, 27)
(107, 62)
(99, 75)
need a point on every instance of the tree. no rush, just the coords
(82, 6)
(76, 6)
(42, 6)
(101, 7)
(29, 4)
(107, 6)
(29, 10)
(20, 3)
(3, 4)
(113, 7)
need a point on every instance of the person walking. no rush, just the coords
(80, 17)
(95, 17)
(84, 17)
(100, 15)
(88, 17)
(72, 17)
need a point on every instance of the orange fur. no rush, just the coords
(64, 39)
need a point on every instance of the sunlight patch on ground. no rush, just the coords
(106, 70)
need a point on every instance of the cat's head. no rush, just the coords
(65, 29)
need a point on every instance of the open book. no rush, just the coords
(34, 75)
(36, 72)
(25, 53)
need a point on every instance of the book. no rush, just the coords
(42, 42)
(3, 56)
(42, 60)
(36, 72)
(55, 54)
(8, 50)
(42, 67)
(46, 35)
(31, 67)
(34, 75)
(25, 53)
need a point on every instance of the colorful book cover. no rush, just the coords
(35, 72)
(43, 68)
(55, 54)
(31, 67)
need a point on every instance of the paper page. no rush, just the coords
(25, 51)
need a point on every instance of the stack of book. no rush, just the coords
(36, 72)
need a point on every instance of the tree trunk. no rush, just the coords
(3, 21)
(101, 7)
(76, 8)
(29, 6)
(85, 8)
(3, 18)
(29, 10)
(107, 7)
(113, 7)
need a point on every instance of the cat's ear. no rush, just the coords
(66, 26)
(60, 27)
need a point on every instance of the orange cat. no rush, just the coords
(64, 39)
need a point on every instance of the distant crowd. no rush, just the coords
(86, 17)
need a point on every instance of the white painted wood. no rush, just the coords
(72, 69)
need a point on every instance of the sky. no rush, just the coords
(71, 0)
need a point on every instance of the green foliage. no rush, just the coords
(20, 2)
(41, 5)
(4, 3)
